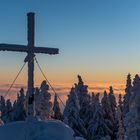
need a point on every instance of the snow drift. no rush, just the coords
(36, 130)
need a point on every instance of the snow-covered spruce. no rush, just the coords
(84, 99)
(127, 96)
(43, 104)
(120, 119)
(99, 128)
(132, 118)
(8, 112)
(108, 114)
(56, 109)
(71, 114)
(113, 104)
(90, 110)
(19, 111)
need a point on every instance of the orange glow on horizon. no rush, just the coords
(63, 89)
(62, 82)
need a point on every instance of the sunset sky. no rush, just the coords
(98, 39)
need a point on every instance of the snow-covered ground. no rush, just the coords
(36, 130)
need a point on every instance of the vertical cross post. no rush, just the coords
(31, 34)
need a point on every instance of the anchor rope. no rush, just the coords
(48, 81)
(7, 92)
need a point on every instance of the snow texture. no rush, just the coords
(36, 130)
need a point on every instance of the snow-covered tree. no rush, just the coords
(120, 119)
(19, 112)
(127, 96)
(136, 93)
(8, 112)
(71, 114)
(113, 106)
(90, 110)
(84, 98)
(82, 92)
(132, 118)
(43, 104)
(99, 128)
(106, 107)
(113, 103)
(56, 109)
(131, 125)
(120, 102)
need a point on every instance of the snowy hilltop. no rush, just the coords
(36, 130)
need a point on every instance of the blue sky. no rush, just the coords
(99, 39)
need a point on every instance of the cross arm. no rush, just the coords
(13, 47)
(24, 48)
(51, 51)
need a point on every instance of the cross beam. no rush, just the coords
(30, 49)
(23, 48)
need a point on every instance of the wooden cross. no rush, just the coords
(30, 49)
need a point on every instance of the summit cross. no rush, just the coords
(30, 49)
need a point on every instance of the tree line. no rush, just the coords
(89, 115)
